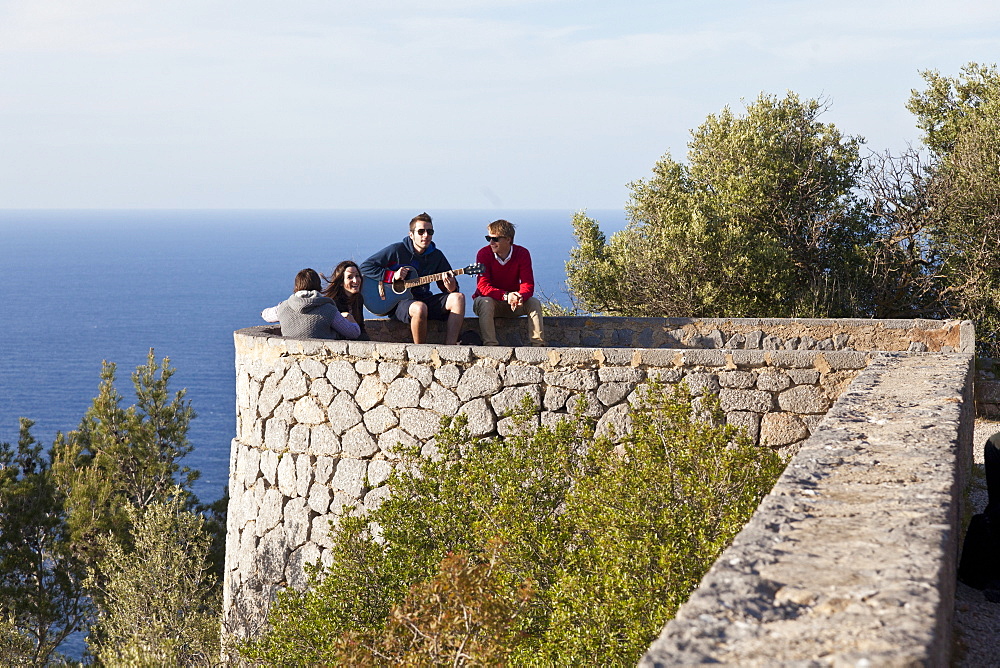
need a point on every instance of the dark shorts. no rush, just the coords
(435, 307)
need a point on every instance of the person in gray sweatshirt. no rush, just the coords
(309, 315)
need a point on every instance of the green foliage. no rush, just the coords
(123, 457)
(42, 598)
(159, 604)
(761, 221)
(960, 117)
(607, 537)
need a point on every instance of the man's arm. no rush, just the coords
(379, 267)
(526, 275)
(484, 284)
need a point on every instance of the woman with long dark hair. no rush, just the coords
(343, 286)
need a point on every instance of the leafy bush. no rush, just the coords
(600, 541)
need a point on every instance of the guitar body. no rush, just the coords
(383, 301)
(393, 293)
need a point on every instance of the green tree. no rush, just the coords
(159, 605)
(124, 457)
(601, 541)
(761, 221)
(960, 117)
(42, 599)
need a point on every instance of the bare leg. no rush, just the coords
(418, 321)
(456, 317)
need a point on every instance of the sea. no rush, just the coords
(78, 288)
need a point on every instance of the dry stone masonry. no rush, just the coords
(318, 422)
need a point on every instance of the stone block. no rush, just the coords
(403, 393)
(389, 371)
(585, 403)
(391, 351)
(296, 522)
(780, 429)
(455, 353)
(497, 353)
(804, 399)
(509, 400)
(293, 385)
(617, 421)
(699, 383)
(343, 376)
(312, 367)
(307, 410)
(448, 375)
(577, 379)
(737, 380)
(286, 474)
(270, 397)
(319, 497)
(322, 390)
(419, 422)
(269, 466)
(366, 367)
(303, 474)
(749, 422)
(380, 419)
(390, 441)
(370, 392)
(481, 422)
(532, 355)
(343, 413)
(516, 425)
(803, 376)
(269, 514)
(374, 498)
(619, 374)
(847, 359)
(322, 441)
(298, 438)
(420, 353)
(668, 376)
(521, 374)
(748, 359)
(272, 555)
(248, 465)
(555, 398)
(478, 381)
(745, 400)
(773, 380)
(358, 443)
(440, 399)
(610, 394)
(350, 477)
(423, 374)
(320, 532)
(378, 472)
(295, 574)
(362, 349)
(793, 359)
(323, 469)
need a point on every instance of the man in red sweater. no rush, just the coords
(506, 287)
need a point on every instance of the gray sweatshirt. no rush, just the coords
(308, 315)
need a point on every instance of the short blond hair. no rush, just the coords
(501, 228)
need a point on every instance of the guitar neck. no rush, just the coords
(424, 280)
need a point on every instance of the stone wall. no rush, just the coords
(850, 560)
(317, 420)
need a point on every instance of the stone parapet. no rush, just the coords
(721, 333)
(850, 560)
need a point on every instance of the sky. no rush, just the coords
(337, 104)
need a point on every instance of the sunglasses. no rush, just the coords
(492, 239)
(428, 232)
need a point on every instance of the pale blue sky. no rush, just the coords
(429, 105)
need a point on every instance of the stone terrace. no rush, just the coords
(317, 421)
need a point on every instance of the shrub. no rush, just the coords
(602, 540)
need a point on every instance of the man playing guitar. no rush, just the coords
(415, 256)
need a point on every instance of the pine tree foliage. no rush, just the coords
(42, 599)
(158, 601)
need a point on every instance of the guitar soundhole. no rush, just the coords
(399, 287)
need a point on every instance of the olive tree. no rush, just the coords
(760, 221)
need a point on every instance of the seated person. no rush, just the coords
(309, 315)
(418, 252)
(506, 287)
(344, 288)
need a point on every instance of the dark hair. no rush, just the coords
(307, 279)
(501, 228)
(335, 290)
(426, 217)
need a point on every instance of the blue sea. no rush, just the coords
(80, 287)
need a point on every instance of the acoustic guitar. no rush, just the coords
(381, 298)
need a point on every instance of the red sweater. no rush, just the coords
(498, 279)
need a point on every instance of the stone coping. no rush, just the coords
(850, 560)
